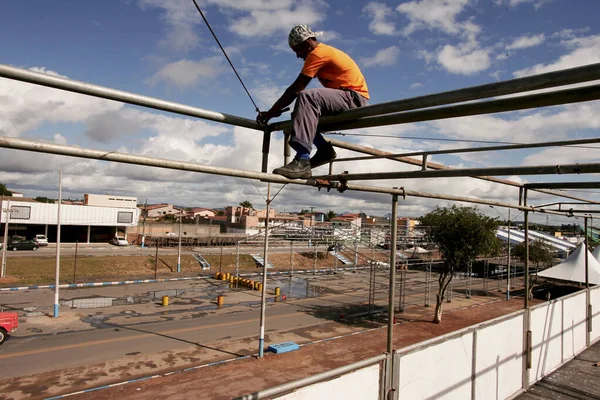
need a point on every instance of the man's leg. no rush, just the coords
(312, 104)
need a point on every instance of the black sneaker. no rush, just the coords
(323, 155)
(297, 169)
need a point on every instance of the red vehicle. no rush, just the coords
(9, 322)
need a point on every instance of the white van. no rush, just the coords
(41, 240)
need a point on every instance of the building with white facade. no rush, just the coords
(82, 223)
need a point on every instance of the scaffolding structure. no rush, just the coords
(478, 100)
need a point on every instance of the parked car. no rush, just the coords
(119, 241)
(21, 244)
(41, 240)
(9, 322)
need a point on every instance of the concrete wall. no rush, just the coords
(595, 301)
(362, 384)
(153, 229)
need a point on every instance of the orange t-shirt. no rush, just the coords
(335, 69)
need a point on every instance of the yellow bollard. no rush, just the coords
(165, 301)
(220, 300)
(260, 287)
(223, 277)
(277, 291)
(256, 285)
(218, 275)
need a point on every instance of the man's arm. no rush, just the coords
(286, 99)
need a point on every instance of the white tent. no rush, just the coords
(573, 268)
(596, 253)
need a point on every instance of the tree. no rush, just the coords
(246, 204)
(461, 234)
(168, 218)
(44, 200)
(4, 191)
(330, 215)
(539, 252)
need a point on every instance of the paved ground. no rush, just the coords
(193, 331)
(579, 379)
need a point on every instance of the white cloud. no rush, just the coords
(261, 18)
(416, 85)
(513, 3)
(380, 13)
(433, 14)
(562, 155)
(383, 58)
(584, 50)
(188, 73)
(180, 17)
(526, 41)
(24, 107)
(464, 59)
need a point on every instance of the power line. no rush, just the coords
(225, 54)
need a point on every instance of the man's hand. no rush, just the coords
(264, 116)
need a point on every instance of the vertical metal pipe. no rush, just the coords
(315, 262)
(75, 264)
(7, 209)
(57, 272)
(526, 277)
(263, 301)
(179, 244)
(392, 283)
(291, 258)
(237, 263)
(587, 284)
(265, 150)
(392, 286)
(286, 147)
(356, 255)
(508, 261)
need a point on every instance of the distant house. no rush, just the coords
(16, 194)
(199, 212)
(158, 210)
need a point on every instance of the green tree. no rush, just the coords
(246, 204)
(539, 253)
(330, 215)
(44, 200)
(461, 234)
(4, 191)
(168, 218)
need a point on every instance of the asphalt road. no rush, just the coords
(32, 355)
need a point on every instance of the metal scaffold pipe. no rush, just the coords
(570, 76)
(38, 78)
(412, 161)
(559, 97)
(73, 151)
(590, 168)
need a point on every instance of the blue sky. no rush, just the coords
(164, 49)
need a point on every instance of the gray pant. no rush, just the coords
(313, 103)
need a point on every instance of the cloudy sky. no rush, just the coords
(163, 49)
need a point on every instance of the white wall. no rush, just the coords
(595, 302)
(546, 339)
(499, 359)
(440, 371)
(573, 326)
(362, 384)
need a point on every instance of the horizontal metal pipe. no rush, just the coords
(56, 82)
(436, 166)
(563, 185)
(73, 151)
(576, 211)
(590, 168)
(476, 149)
(566, 96)
(535, 82)
(300, 383)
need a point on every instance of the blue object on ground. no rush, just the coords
(283, 347)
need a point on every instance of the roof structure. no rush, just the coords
(573, 268)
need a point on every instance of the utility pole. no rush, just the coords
(144, 223)
(263, 302)
(508, 261)
(57, 272)
(179, 245)
(7, 209)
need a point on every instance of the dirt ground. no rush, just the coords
(250, 375)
